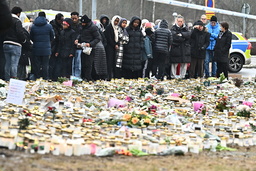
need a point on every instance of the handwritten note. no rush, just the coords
(16, 91)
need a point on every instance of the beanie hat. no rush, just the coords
(148, 31)
(213, 18)
(199, 22)
(68, 21)
(85, 19)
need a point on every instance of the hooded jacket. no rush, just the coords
(162, 38)
(41, 34)
(132, 56)
(214, 31)
(89, 34)
(101, 18)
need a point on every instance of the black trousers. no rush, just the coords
(86, 65)
(222, 67)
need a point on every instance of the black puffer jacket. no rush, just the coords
(66, 43)
(162, 38)
(132, 56)
(89, 34)
(180, 51)
(57, 27)
(222, 46)
(200, 40)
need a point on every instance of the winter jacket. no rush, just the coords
(180, 50)
(57, 29)
(214, 31)
(223, 44)
(100, 60)
(5, 16)
(101, 18)
(148, 51)
(132, 56)
(162, 38)
(199, 42)
(89, 34)
(15, 35)
(41, 34)
(66, 43)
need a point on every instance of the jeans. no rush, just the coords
(41, 67)
(12, 55)
(76, 64)
(208, 59)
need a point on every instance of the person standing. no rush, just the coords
(132, 56)
(214, 29)
(221, 49)
(180, 50)
(200, 40)
(76, 63)
(111, 34)
(13, 40)
(41, 35)
(54, 66)
(204, 19)
(90, 36)
(104, 20)
(162, 40)
(66, 48)
(147, 56)
(123, 38)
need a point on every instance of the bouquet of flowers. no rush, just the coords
(138, 118)
(222, 103)
(243, 111)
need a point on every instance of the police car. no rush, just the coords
(240, 52)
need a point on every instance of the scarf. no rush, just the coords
(115, 27)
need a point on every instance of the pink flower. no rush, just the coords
(175, 94)
(247, 103)
(198, 106)
(128, 99)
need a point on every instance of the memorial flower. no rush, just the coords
(243, 111)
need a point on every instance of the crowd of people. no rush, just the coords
(114, 48)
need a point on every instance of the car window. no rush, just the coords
(234, 37)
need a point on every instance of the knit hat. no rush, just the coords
(68, 21)
(148, 31)
(199, 22)
(85, 19)
(213, 18)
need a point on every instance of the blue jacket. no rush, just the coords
(41, 34)
(214, 31)
(147, 53)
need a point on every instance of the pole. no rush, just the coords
(80, 7)
(154, 10)
(94, 9)
(244, 26)
(141, 8)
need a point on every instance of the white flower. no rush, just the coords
(104, 115)
(241, 108)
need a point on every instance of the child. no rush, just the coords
(123, 38)
(66, 49)
(147, 54)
